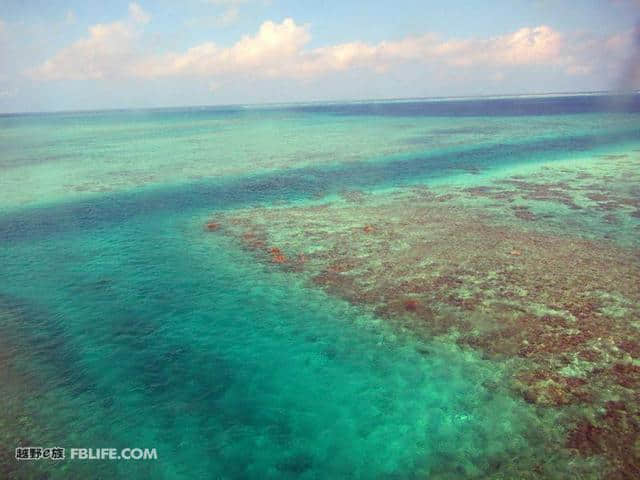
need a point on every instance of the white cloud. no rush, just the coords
(280, 50)
(108, 51)
(102, 54)
(525, 46)
(264, 53)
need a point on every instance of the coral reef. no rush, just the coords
(525, 270)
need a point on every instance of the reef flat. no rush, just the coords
(537, 271)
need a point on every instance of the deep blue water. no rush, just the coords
(555, 105)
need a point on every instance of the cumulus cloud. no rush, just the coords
(278, 50)
(281, 50)
(265, 53)
(524, 47)
(104, 53)
(108, 51)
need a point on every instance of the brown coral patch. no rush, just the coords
(549, 192)
(626, 374)
(523, 213)
(598, 197)
(589, 355)
(253, 241)
(550, 389)
(353, 196)
(586, 439)
(614, 157)
(339, 267)
(614, 434)
(632, 347)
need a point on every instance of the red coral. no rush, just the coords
(411, 305)
(277, 256)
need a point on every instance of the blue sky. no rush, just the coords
(58, 55)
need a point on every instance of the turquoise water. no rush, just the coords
(167, 339)
(125, 324)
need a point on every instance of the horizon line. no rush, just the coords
(333, 101)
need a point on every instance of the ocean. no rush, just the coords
(392, 289)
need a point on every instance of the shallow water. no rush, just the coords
(235, 370)
(126, 324)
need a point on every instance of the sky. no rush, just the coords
(85, 55)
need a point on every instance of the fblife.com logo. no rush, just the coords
(59, 453)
